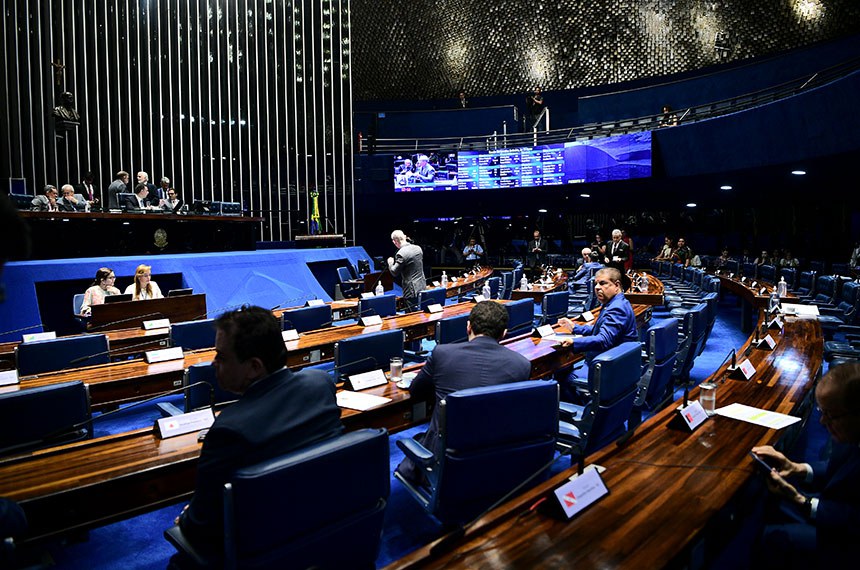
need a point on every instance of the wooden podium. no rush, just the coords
(371, 278)
(131, 314)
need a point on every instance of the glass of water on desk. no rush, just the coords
(396, 369)
(708, 397)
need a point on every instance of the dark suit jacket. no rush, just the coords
(453, 367)
(616, 324)
(617, 256)
(537, 258)
(132, 204)
(838, 481)
(276, 415)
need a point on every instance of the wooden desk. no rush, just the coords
(653, 296)
(753, 300)
(664, 485)
(537, 292)
(130, 314)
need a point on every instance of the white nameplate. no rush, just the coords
(335, 316)
(747, 369)
(544, 331)
(38, 336)
(731, 275)
(368, 379)
(163, 355)
(8, 377)
(314, 303)
(478, 298)
(367, 295)
(763, 291)
(693, 415)
(587, 316)
(184, 423)
(290, 334)
(743, 279)
(437, 284)
(156, 324)
(577, 494)
(370, 320)
(767, 343)
(434, 308)
(776, 323)
(453, 279)
(753, 284)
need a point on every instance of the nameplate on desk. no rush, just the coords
(767, 343)
(290, 334)
(587, 316)
(776, 323)
(31, 337)
(184, 423)
(437, 284)
(163, 355)
(156, 324)
(693, 415)
(753, 285)
(335, 315)
(578, 494)
(434, 308)
(8, 377)
(314, 303)
(746, 369)
(370, 320)
(367, 295)
(545, 330)
(368, 379)
(743, 279)
(478, 298)
(453, 279)
(762, 291)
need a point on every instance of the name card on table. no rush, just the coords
(478, 298)
(693, 415)
(753, 284)
(434, 308)
(776, 323)
(543, 331)
(8, 377)
(31, 337)
(163, 355)
(314, 303)
(762, 291)
(767, 343)
(578, 494)
(587, 316)
(368, 379)
(367, 295)
(745, 369)
(370, 320)
(156, 324)
(437, 284)
(184, 423)
(290, 334)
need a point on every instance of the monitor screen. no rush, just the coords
(423, 172)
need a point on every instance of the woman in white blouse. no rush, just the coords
(143, 287)
(102, 287)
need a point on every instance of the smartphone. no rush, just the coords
(760, 464)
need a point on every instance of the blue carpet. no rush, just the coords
(137, 543)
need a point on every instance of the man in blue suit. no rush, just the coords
(279, 411)
(820, 528)
(590, 263)
(451, 367)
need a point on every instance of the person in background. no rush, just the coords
(683, 254)
(48, 202)
(143, 287)
(173, 203)
(462, 102)
(590, 264)
(102, 287)
(118, 186)
(71, 202)
(408, 264)
(628, 263)
(88, 190)
(763, 259)
(598, 245)
(789, 260)
(424, 172)
(668, 117)
(666, 251)
(536, 253)
(473, 253)
(155, 196)
(536, 106)
(854, 260)
(723, 260)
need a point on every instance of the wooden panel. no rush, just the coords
(129, 314)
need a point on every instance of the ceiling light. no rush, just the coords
(691, 205)
(585, 195)
(725, 187)
(798, 172)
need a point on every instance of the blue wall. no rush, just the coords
(265, 278)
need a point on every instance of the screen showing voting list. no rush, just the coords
(619, 157)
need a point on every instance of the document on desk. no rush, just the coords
(558, 337)
(757, 416)
(359, 401)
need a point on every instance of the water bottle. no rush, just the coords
(380, 290)
(782, 287)
(524, 284)
(444, 279)
(486, 290)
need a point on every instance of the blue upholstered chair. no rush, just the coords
(805, 284)
(344, 279)
(613, 379)
(452, 329)
(193, 335)
(694, 328)
(655, 383)
(495, 284)
(317, 507)
(790, 276)
(554, 306)
(507, 284)
(767, 273)
(33, 418)
(383, 305)
(77, 303)
(201, 396)
(367, 352)
(42, 356)
(429, 297)
(307, 318)
(825, 290)
(482, 453)
(521, 315)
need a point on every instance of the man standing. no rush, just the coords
(279, 411)
(821, 529)
(155, 196)
(118, 186)
(480, 362)
(473, 253)
(88, 189)
(537, 249)
(408, 264)
(616, 252)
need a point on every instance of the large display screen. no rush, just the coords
(618, 157)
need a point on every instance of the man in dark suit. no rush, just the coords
(408, 264)
(279, 411)
(480, 362)
(820, 528)
(536, 249)
(139, 200)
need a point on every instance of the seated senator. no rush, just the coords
(46, 202)
(71, 202)
(143, 287)
(590, 264)
(102, 287)
(451, 367)
(278, 411)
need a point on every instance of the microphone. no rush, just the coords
(732, 367)
(80, 359)
(2, 334)
(293, 300)
(329, 323)
(134, 318)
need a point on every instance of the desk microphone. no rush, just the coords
(134, 318)
(2, 334)
(328, 323)
(733, 366)
(80, 359)
(289, 302)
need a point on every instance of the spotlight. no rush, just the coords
(691, 205)
(585, 195)
(725, 187)
(542, 211)
(798, 172)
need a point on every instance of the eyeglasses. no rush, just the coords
(832, 417)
